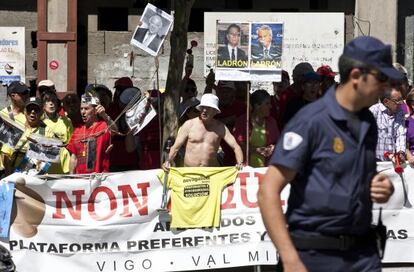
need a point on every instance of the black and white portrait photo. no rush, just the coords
(154, 27)
(9, 135)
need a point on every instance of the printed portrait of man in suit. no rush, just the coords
(266, 51)
(231, 55)
(155, 26)
(150, 36)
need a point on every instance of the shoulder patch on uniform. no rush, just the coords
(291, 140)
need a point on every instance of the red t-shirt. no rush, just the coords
(78, 145)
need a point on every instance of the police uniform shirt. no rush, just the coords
(330, 194)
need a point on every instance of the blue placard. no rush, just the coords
(6, 204)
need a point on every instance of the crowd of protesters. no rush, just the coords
(96, 138)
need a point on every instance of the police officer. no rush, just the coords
(327, 153)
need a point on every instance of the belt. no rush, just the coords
(341, 242)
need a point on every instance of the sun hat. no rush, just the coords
(209, 100)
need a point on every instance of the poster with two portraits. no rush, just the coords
(249, 51)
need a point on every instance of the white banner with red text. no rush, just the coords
(110, 223)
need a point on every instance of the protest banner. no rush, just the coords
(150, 35)
(109, 222)
(12, 54)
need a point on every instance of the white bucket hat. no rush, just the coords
(209, 100)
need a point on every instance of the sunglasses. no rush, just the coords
(381, 77)
(36, 109)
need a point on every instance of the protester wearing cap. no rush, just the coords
(295, 90)
(328, 78)
(201, 137)
(89, 145)
(45, 85)
(311, 87)
(34, 125)
(18, 92)
(327, 153)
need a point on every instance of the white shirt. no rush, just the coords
(229, 47)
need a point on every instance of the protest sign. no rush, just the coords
(319, 42)
(44, 149)
(138, 116)
(12, 54)
(10, 132)
(241, 55)
(6, 202)
(155, 25)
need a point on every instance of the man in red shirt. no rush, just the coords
(90, 142)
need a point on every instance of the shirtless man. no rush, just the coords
(202, 136)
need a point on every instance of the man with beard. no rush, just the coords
(202, 137)
(90, 142)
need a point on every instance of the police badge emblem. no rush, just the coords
(338, 145)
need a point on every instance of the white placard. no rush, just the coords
(317, 38)
(140, 115)
(44, 149)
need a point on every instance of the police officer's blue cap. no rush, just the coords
(373, 52)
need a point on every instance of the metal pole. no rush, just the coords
(247, 126)
(159, 106)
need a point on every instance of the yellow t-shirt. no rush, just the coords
(62, 128)
(196, 194)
